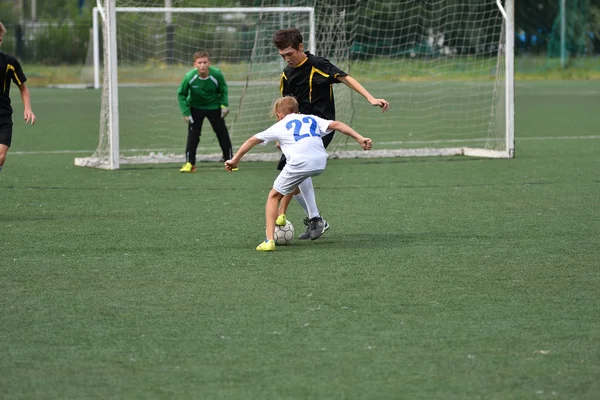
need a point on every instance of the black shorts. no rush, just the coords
(6, 133)
(326, 140)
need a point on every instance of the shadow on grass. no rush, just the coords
(209, 166)
(412, 160)
(356, 241)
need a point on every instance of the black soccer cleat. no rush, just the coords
(305, 235)
(316, 227)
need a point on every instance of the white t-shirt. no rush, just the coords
(299, 136)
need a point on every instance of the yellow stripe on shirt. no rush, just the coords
(9, 67)
(281, 82)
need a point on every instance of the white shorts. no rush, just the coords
(288, 181)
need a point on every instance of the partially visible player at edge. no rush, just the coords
(308, 78)
(203, 93)
(300, 138)
(10, 70)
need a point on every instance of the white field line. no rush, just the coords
(266, 82)
(425, 142)
(487, 139)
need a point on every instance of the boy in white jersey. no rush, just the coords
(299, 137)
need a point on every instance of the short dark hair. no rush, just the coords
(285, 38)
(200, 54)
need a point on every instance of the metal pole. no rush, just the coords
(170, 32)
(113, 87)
(18, 10)
(563, 29)
(168, 13)
(21, 13)
(312, 35)
(281, 64)
(96, 41)
(508, 12)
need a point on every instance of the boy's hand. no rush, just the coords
(224, 112)
(29, 117)
(366, 143)
(231, 165)
(382, 103)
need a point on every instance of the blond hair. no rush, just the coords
(285, 105)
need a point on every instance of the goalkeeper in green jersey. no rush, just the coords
(203, 93)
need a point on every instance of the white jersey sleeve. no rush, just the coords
(269, 135)
(323, 125)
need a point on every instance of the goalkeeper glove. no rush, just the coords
(224, 112)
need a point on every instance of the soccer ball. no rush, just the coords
(284, 234)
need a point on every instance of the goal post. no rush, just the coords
(446, 67)
(508, 13)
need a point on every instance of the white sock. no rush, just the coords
(301, 201)
(308, 193)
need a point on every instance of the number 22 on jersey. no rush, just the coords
(298, 126)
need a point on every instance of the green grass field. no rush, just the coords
(440, 278)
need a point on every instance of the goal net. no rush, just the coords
(444, 66)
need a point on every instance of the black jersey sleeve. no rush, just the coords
(324, 65)
(18, 76)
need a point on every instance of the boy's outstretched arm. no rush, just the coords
(360, 89)
(235, 160)
(364, 142)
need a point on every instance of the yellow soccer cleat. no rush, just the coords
(267, 245)
(188, 167)
(280, 221)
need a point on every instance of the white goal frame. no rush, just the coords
(508, 12)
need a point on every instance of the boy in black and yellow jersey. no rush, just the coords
(309, 78)
(10, 71)
(203, 93)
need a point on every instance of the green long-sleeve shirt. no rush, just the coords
(208, 93)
